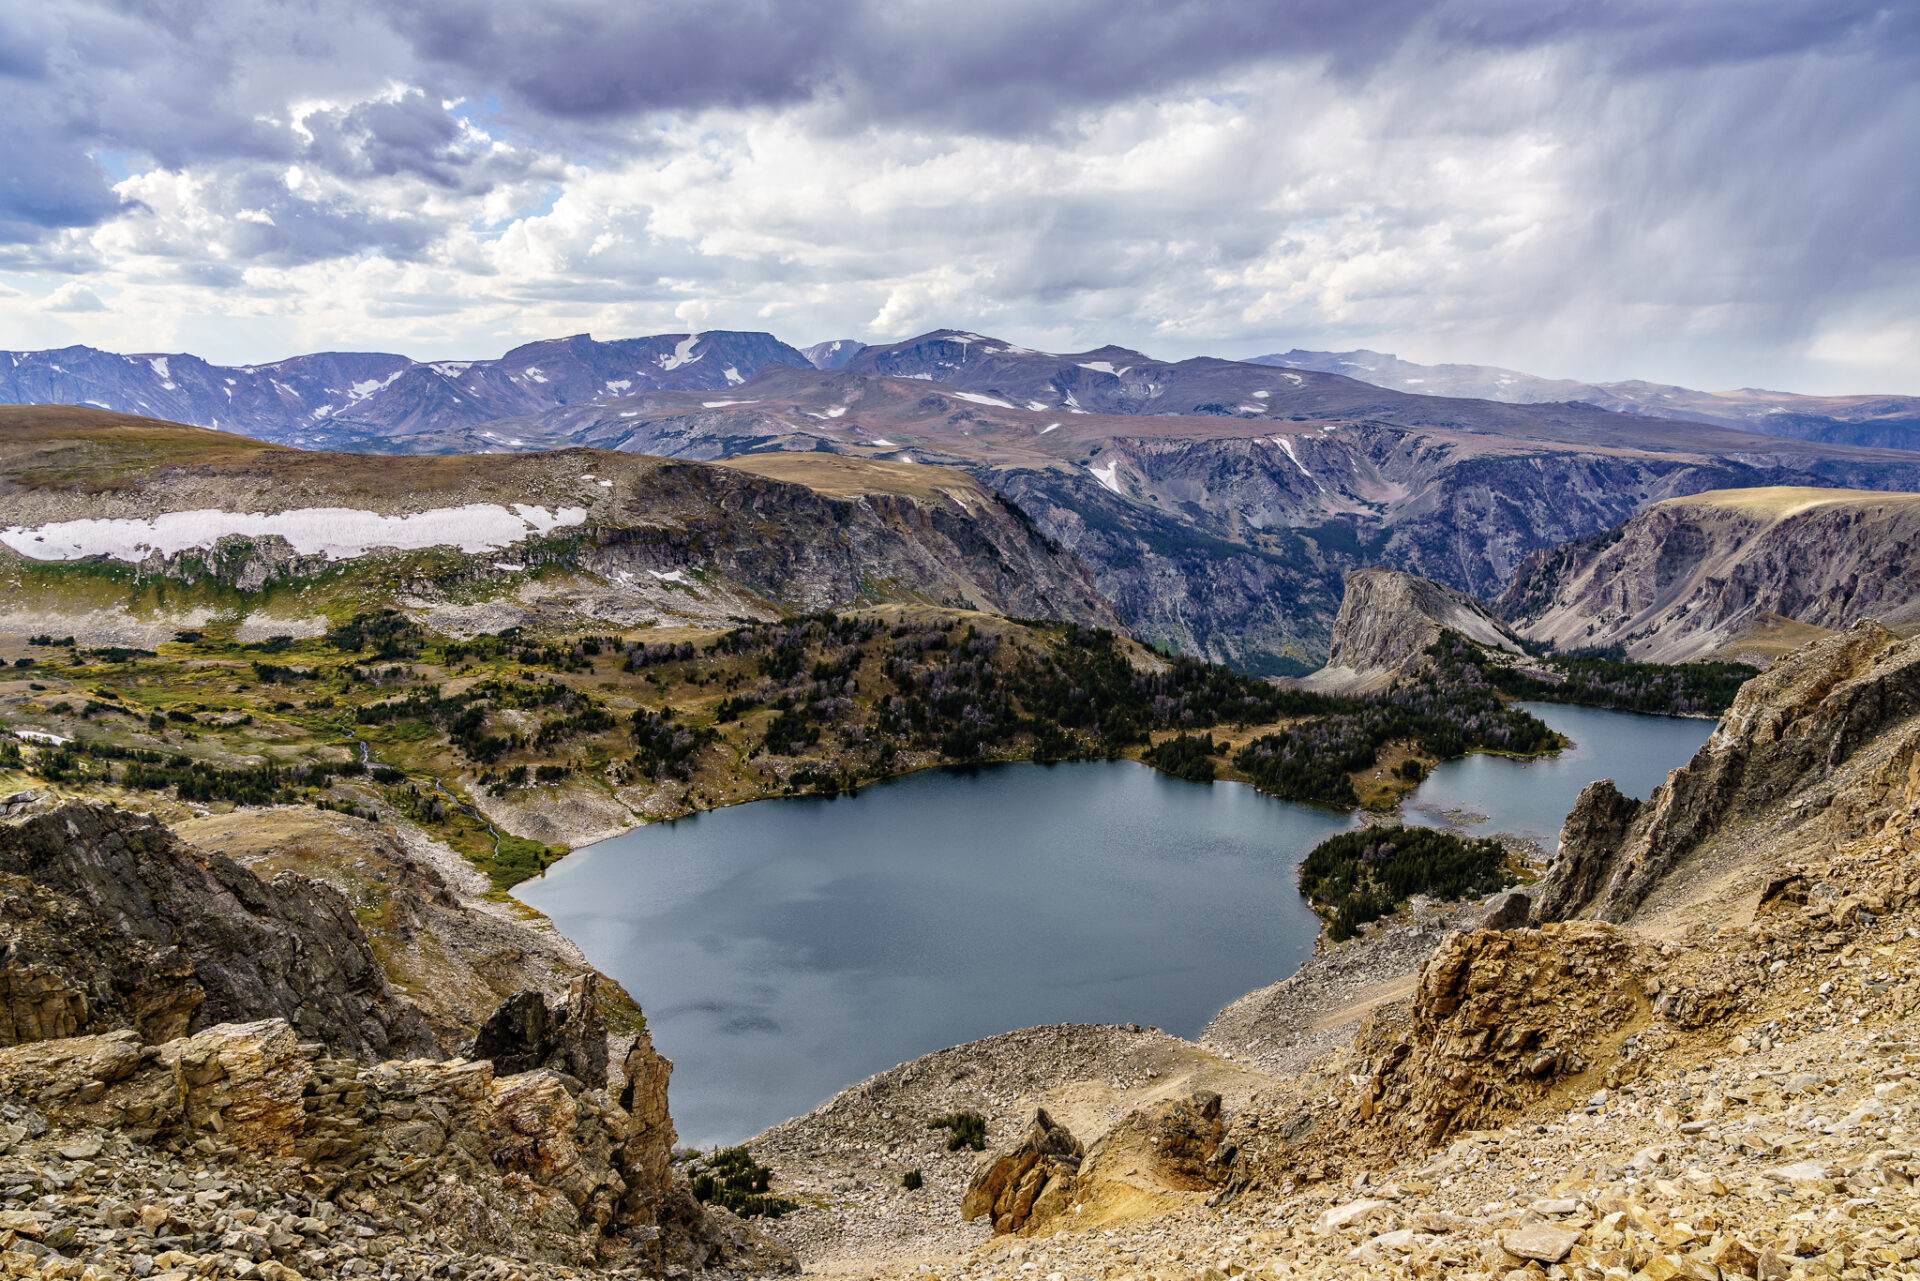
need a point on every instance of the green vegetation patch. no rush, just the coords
(733, 1179)
(1455, 710)
(1361, 876)
(518, 859)
(964, 1130)
(1185, 756)
(1591, 680)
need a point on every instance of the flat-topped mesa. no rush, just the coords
(1739, 573)
(1826, 736)
(1388, 619)
(602, 536)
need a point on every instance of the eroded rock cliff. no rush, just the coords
(1388, 619)
(109, 922)
(1691, 576)
(1824, 737)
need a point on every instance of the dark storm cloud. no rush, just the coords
(1007, 66)
(193, 83)
(1708, 33)
(410, 136)
(993, 66)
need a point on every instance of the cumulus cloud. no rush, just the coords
(72, 296)
(1711, 191)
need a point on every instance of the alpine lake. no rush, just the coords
(787, 948)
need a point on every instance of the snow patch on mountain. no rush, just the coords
(338, 533)
(979, 399)
(682, 353)
(1109, 475)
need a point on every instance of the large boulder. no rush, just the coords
(1007, 1184)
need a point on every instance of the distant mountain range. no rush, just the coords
(335, 399)
(1218, 504)
(1886, 422)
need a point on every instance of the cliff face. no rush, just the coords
(1689, 576)
(1386, 622)
(1814, 749)
(156, 993)
(108, 922)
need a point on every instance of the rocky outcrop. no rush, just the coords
(108, 922)
(1690, 576)
(1838, 712)
(538, 1162)
(525, 1034)
(456, 954)
(1497, 1018)
(1033, 1177)
(1388, 619)
(1593, 829)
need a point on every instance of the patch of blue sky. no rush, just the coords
(549, 196)
(122, 165)
(483, 114)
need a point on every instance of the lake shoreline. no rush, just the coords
(1577, 756)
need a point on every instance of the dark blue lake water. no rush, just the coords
(787, 948)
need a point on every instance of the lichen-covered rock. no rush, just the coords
(243, 1082)
(107, 921)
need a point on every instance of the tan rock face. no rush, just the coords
(1497, 1018)
(1008, 1183)
(553, 1156)
(1174, 1146)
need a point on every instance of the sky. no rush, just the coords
(1716, 193)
